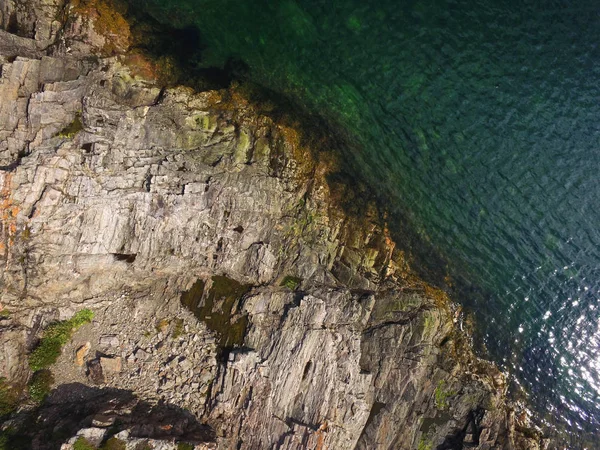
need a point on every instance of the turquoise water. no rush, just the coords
(480, 122)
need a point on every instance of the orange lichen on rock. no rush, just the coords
(140, 66)
(321, 436)
(107, 21)
(163, 70)
(292, 143)
(234, 99)
(8, 214)
(290, 135)
(439, 297)
(240, 100)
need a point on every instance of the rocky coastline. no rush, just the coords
(237, 303)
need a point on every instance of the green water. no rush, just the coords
(480, 123)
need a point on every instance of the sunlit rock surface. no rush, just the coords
(127, 198)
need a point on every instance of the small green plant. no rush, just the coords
(4, 314)
(53, 339)
(424, 444)
(9, 398)
(81, 318)
(114, 444)
(72, 129)
(442, 395)
(428, 324)
(178, 329)
(291, 282)
(26, 233)
(184, 446)
(40, 385)
(83, 444)
(162, 325)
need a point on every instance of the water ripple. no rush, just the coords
(479, 120)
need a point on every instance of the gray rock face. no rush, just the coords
(37, 20)
(114, 189)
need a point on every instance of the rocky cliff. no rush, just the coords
(242, 299)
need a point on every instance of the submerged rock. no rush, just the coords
(310, 330)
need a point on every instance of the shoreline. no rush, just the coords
(362, 264)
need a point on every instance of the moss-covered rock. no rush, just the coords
(291, 282)
(9, 397)
(55, 336)
(72, 129)
(83, 444)
(219, 308)
(40, 385)
(442, 394)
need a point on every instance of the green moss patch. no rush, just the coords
(219, 308)
(53, 339)
(178, 328)
(40, 385)
(72, 129)
(425, 444)
(9, 397)
(441, 395)
(83, 444)
(291, 282)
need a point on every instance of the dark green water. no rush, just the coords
(481, 122)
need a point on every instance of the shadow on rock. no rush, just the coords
(72, 407)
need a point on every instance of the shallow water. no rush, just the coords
(481, 121)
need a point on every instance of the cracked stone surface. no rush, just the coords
(120, 195)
